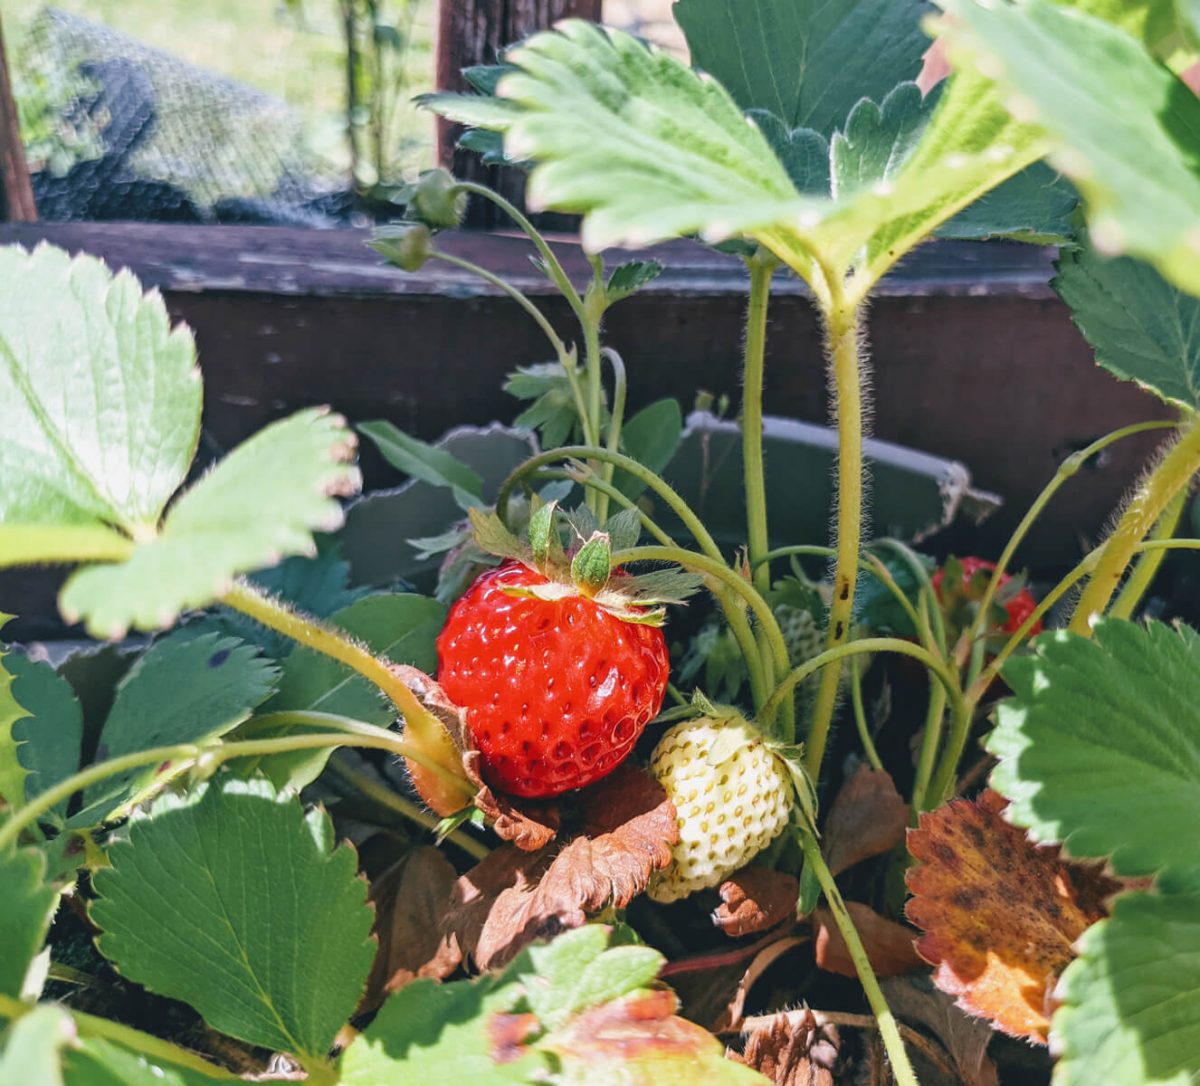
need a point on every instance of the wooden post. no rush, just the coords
(16, 193)
(474, 32)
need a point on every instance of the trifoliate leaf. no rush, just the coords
(1131, 1003)
(99, 396)
(258, 505)
(267, 929)
(26, 906)
(420, 459)
(1036, 206)
(1140, 326)
(806, 61)
(1100, 745)
(553, 412)
(183, 689)
(1061, 70)
(878, 139)
(642, 145)
(49, 737)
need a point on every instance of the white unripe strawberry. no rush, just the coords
(733, 796)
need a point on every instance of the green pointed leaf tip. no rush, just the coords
(542, 526)
(1141, 328)
(644, 147)
(73, 335)
(268, 933)
(257, 506)
(420, 459)
(1099, 746)
(1138, 167)
(806, 61)
(1130, 1012)
(26, 906)
(878, 139)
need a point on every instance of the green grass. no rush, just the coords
(298, 59)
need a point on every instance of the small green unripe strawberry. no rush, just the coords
(733, 796)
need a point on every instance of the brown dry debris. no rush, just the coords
(1000, 914)
(514, 897)
(889, 945)
(755, 899)
(528, 825)
(867, 819)
(793, 1050)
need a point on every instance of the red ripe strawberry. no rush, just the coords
(556, 687)
(1017, 606)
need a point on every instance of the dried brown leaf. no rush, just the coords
(962, 1038)
(444, 746)
(889, 945)
(512, 898)
(754, 899)
(731, 1017)
(793, 1051)
(867, 819)
(410, 900)
(1000, 914)
(527, 824)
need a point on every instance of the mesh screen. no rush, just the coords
(118, 130)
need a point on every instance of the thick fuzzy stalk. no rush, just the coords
(889, 1032)
(1144, 572)
(842, 325)
(1173, 473)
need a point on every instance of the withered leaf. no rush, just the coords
(1000, 914)
(754, 899)
(867, 819)
(792, 1050)
(889, 945)
(527, 824)
(963, 1038)
(513, 897)
(410, 900)
(731, 1016)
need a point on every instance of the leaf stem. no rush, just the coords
(1173, 473)
(616, 420)
(929, 746)
(1066, 470)
(842, 334)
(888, 1030)
(860, 714)
(761, 268)
(1147, 565)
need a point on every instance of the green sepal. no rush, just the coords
(592, 565)
(492, 537)
(437, 201)
(408, 245)
(543, 536)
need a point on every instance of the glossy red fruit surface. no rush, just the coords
(556, 692)
(1018, 609)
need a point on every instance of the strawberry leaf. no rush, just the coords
(12, 772)
(1121, 783)
(878, 139)
(1131, 1003)
(26, 906)
(423, 461)
(1037, 206)
(1136, 167)
(268, 932)
(631, 277)
(1140, 326)
(806, 61)
(98, 1061)
(34, 1045)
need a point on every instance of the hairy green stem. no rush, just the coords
(1066, 470)
(933, 615)
(930, 741)
(616, 420)
(1146, 569)
(842, 332)
(888, 1030)
(1174, 472)
(860, 714)
(761, 270)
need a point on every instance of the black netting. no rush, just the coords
(118, 130)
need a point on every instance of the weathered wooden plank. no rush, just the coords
(16, 193)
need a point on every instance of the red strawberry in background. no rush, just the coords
(558, 671)
(965, 592)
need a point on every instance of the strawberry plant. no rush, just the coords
(294, 822)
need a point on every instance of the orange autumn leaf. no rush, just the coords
(1000, 914)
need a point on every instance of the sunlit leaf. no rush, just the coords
(26, 905)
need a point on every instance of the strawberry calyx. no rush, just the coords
(585, 568)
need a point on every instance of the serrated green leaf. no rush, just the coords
(26, 906)
(806, 61)
(401, 627)
(1161, 25)
(12, 772)
(183, 689)
(635, 140)
(804, 152)
(429, 1034)
(98, 1062)
(630, 277)
(1137, 167)
(267, 933)
(878, 139)
(1130, 1013)
(420, 459)
(260, 504)
(31, 1055)
(50, 735)
(1100, 745)
(1037, 206)
(652, 438)
(1141, 328)
(74, 337)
